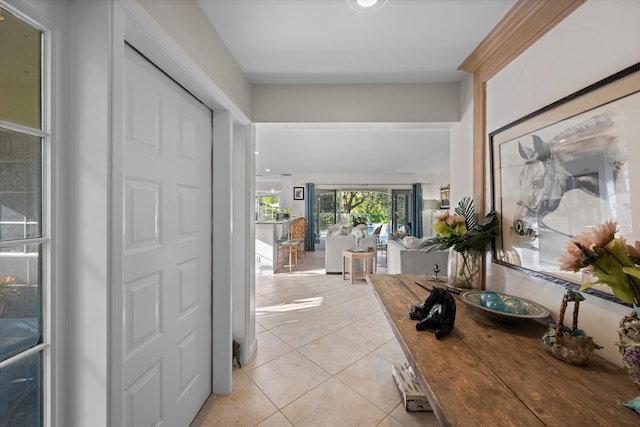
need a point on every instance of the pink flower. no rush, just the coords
(454, 220)
(570, 259)
(633, 251)
(604, 233)
(442, 216)
(585, 239)
(600, 236)
(610, 259)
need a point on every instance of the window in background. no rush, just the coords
(267, 206)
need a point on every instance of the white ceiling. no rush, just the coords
(327, 42)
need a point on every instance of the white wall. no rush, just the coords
(357, 103)
(461, 150)
(88, 211)
(597, 40)
(269, 185)
(202, 43)
(373, 180)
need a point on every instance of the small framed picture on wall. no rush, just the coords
(298, 193)
(444, 197)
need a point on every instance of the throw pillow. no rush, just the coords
(411, 242)
(335, 230)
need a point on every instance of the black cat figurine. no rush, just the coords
(437, 312)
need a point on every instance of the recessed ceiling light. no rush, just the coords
(267, 170)
(366, 5)
(256, 152)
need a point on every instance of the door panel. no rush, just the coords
(325, 215)
(163, 318)
(400, 210)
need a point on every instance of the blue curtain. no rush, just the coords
(416, 211)
(310, 238)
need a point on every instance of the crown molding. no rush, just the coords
(525, 23)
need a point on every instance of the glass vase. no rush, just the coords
(358, 244)
(463, 270)
(629, 346)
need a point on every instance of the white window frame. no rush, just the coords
(45, 240)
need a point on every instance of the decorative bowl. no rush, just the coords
(534, 311)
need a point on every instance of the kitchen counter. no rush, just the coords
(267, 234)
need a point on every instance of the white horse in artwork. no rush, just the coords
(544, 178)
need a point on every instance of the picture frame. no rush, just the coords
(444, 197)
(298, 193)
(563, 169)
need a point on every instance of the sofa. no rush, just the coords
(404, 257)
(336, 243)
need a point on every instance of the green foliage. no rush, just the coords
(350, 200)
(373, 205)
(481, 234)
(473, 235)
(327, 220)
(353, 206)
(272, 200)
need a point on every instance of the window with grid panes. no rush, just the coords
(24, 242)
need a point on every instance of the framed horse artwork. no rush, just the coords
(564, 169)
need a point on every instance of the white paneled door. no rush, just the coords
(161, 308)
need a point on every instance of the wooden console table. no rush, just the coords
(492, 374)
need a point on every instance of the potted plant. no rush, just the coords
(466, 239)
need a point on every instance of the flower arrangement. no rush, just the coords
(609, 258)
(358, 232)
(462, 231)
(617, 265)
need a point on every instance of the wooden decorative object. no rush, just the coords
(571, 345)
(413, 396)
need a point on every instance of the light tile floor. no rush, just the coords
(323, 358)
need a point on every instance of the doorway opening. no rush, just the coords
(350, 207)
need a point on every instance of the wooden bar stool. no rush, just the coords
(287, 248)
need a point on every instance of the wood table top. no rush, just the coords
(362, 253)
(493, 374)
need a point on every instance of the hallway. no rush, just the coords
(324, 358)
